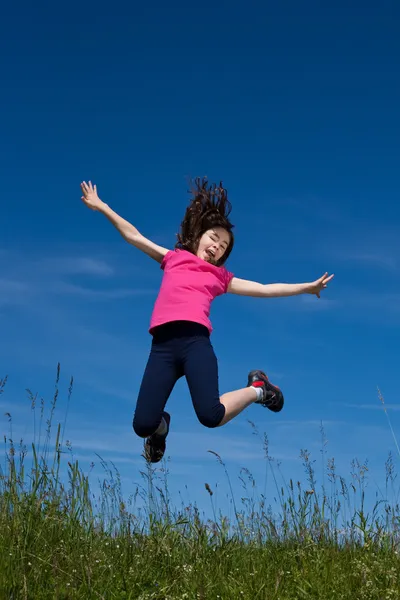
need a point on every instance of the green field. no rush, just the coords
(58, 540)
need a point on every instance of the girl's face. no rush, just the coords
(213, 244)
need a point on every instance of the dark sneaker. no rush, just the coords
(272, 397)
(154, 446)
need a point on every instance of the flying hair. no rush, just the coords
(208, 208)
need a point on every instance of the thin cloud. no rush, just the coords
(98, 385)
(13, 291)
(313, 303)
(382, 260)
(380, 303)
(90, 293)
(41, 278)
(379, 252)
(197, 445)
(120, 444)
(377, 406)
(80, 265)
(11, 286)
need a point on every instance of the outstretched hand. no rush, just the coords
(319, 284)
(90, 197)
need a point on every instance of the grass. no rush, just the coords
(60, 541)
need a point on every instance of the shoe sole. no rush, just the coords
(147, 445)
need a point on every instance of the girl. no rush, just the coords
(194, 274)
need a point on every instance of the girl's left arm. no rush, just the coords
(243, 287)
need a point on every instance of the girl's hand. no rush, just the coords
(320, 284)
(90, 197)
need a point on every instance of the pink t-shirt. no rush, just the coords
(188, 287)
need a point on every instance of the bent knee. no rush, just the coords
(144, 428)
(213, 419)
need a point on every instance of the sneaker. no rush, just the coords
(154, 446)
(272, 397)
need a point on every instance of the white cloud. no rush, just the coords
(357, 248)
(379, 303)
(97, 294)
(12, 286)
(80, 265)
(13, 292)
(314, 303)
(28, 282)
(381, 260)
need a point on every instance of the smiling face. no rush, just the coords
(213, 244)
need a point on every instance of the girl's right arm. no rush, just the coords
(126, 229)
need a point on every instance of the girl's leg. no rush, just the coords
(237, 401)
(201, 371)
(159, 378)
(259, 389)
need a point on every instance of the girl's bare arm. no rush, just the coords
(243, 287)
(130, 233)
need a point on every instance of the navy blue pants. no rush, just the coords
(179, 348)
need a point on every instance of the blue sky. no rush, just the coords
(296, 110)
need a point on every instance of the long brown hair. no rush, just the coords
(208, 208)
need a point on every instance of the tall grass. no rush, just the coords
(60, 540)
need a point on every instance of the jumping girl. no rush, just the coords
(194, 274)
